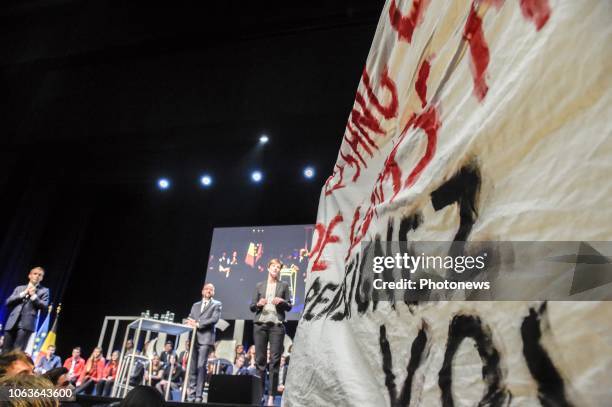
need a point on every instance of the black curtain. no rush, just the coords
(44, 229)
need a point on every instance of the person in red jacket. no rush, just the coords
(92, 372)
(75, 365)
(105, 384)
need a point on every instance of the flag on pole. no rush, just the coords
(50, 339)
(41, 334)
(30, 346)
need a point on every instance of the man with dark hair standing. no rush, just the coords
(271, 300)
(204, 316)
(23, 304)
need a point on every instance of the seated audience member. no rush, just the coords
(184, 355)
(173, 371)
(15, 362)
(58, 376)
(129, 346)
(75, 365)
(250, 356)
(252, 365)
(141, 396)
(48, 361)
(168, 351)
(137, 372)
(105, 384)
(239, 350)
(211, 363)
(139, 364)
(223, 366)
(154, 373)
(92, 372)
(238, 368)
(25, 381)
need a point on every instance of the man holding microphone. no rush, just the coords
(23, 305)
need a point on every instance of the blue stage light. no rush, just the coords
(263, 139)
(309, 172)
(256, 176)
(163, 183)
(206, 180)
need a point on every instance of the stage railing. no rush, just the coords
(126, 364)
(116, 320)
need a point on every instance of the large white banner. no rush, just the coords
(473, 121)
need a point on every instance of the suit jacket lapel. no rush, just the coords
(265, 289)
(276, 290)
(205, 307)
(278, 287)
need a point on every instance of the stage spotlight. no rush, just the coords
(263, 139)
(309, 172)
(256, 176)
(163, 183)
(206, 180)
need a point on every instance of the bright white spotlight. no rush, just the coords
(309, 172)
(163, 183)
(263, 139)
(256, 176)
(206, 180)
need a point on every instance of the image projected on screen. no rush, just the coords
(238, 260)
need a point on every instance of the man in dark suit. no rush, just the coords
(23, 304)
(168, 351)
(204, 316)
(271, 300)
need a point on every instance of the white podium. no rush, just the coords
(126, 364)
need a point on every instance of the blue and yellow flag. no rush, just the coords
(50, 338)
(41, 334)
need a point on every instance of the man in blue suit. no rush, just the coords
(204, 316)
(23, 304)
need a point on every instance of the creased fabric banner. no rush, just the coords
(473, 121)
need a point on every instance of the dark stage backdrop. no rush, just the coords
(45, 230)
